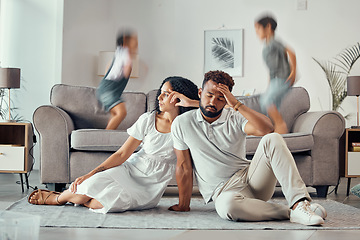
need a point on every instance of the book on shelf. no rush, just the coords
(355, 149)
(355, 144)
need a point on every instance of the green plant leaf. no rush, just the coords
(348, 57)
(337, 78)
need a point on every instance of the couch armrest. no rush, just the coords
(327, 128)
(54, 126)
(324, 123)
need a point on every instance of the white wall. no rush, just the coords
(31, 39)
(55, 41)
(171, 39)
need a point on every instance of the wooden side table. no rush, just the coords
(352, 158)
(16, 141)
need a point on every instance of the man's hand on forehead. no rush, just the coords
(229, 97)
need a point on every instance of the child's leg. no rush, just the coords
(279, 123)
(271, 100)
(118, 113)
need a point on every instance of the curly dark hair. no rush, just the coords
(265, 20)
(219, 77)
(180, 85)
(123, 36)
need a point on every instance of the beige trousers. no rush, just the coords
(244, 197)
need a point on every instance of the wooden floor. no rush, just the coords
(10, 192)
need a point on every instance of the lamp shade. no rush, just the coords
(353, 86)
(9, 77)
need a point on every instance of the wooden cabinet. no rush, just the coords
(16, 142)
(352, 158)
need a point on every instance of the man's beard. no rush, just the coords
(208, 113)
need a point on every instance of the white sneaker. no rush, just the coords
(318, 210)
(304, 215)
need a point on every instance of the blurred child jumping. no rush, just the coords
(281, 62)
(115, 80)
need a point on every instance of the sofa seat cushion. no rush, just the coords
(98, 139)
(296, 142)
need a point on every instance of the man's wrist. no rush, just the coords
(237, 105)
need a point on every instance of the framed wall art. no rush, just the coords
(224, 51)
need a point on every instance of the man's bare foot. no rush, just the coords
(44, 197)
(177, 208)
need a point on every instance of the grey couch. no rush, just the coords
(73, 142)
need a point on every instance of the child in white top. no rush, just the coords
(115, 80)
(281, 62)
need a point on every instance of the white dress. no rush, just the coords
(139, 182)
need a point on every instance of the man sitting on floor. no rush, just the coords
(211, 140)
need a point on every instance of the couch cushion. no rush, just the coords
(98, 139)
(151, 97)
(296, 142)
(81, 104)
(295, 103)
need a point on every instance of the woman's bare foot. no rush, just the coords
(44, 197)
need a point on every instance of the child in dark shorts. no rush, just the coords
(115, 80)
(281, 62)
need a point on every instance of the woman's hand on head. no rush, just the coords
(182, 101)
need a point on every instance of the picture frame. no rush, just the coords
(223, 50)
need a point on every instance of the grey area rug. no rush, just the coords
(201, 216)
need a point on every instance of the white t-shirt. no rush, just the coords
(153, 142)
(121, 58)
(217, 149)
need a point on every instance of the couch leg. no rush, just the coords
(58, 187)
(322, 191)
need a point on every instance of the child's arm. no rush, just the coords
(292, 62)
(127, 69)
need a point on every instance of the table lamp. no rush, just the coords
(9, 78)
(353, 89)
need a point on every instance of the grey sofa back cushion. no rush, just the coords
(295, 103)
(151, 97)
(86, 112)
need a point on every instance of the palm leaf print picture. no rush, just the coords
(223, 51)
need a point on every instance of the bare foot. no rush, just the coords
(44, 197)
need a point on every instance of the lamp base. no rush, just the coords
(355, 127)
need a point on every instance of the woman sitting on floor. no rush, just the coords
(128, 180)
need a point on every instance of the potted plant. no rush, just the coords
(337, 71)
